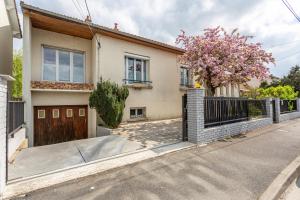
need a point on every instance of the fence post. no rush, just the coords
(277, 110)
(195, 110)
(269, 108)
(298, 104)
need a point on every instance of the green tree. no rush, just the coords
(293, 78)
(109, 101)
(17, 74)
(283, 92)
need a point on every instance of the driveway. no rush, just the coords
(128, 138)
(152, 133)
(37, 160)
(240, 168)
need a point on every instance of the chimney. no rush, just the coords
(88, 19)
(116, 27)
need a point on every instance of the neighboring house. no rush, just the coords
(64, 60)
(9, 29)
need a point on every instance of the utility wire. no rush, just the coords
(292, 9)
(80, 10)
(286, 3)
(87, 8)
(291, 55)
(282, 44)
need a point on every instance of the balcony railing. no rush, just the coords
(129, 81)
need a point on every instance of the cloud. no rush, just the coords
(269, 21)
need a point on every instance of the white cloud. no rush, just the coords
(269, 21)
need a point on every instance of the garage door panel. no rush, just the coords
(58, 126)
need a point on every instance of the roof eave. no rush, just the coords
(29, 8)
(13, 18)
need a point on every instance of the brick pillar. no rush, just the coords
(3, 138)
(298, 104)
(277, 110)
(269, 108)
(195, 111)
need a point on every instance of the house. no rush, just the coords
(64, 58)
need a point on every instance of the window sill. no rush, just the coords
(185, 87)
(137, 119)
(139, 85)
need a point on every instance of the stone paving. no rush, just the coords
(152, 133)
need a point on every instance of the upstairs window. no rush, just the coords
(63, 65)
(136, 70)
(185, 79)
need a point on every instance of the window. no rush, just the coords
(137, 113)
(184, 76)
(69, 112)
(55, 113)
(63, 65)
(136, 70)
(81, 112)
(41, 114)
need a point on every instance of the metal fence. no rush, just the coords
(287, 106)
(15, 116)
(225, 110)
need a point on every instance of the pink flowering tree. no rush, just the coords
(218, 58)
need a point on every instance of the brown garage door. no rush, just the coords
(54, 124)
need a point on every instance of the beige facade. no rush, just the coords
(163, 99)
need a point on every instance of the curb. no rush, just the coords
(282, 181)
(49, 179)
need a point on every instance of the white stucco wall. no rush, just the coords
(164, 99)
(6, 41)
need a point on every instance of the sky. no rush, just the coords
(269, 21)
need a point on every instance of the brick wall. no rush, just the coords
(3, 101)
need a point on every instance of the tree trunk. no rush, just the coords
(211, 91)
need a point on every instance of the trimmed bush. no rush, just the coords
(109, 101)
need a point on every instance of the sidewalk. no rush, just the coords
(240, 168)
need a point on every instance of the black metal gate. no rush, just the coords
(184, 118)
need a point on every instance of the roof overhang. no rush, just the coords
(11, 9)
(55, 22)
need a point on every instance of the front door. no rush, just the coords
(55, 124)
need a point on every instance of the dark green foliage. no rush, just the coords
(293, 78)
(109, 101)
(17, 74)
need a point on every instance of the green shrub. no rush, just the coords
(109, 101)
(282, 92)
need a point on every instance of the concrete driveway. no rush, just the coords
(127, 138)
(37, 160)
(241, 168)
(152, 133)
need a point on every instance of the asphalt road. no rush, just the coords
(241, 168)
